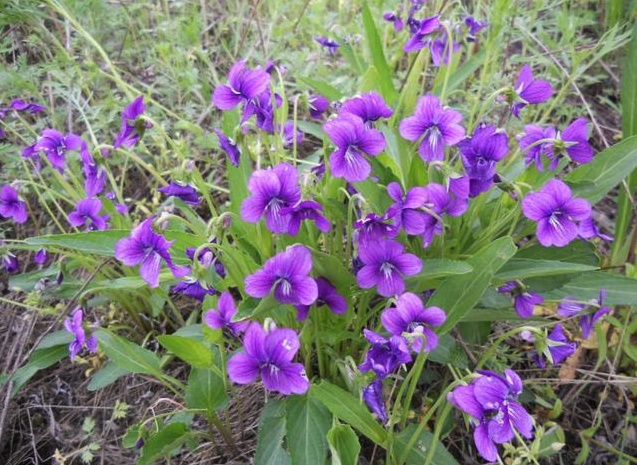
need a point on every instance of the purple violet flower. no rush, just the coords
(532, 135)
(395, 19)
(374, 228)
(421, 37)
(221, 317)
(373, 397)
(523, 300)
(370, 107)
(41, 256)
(148, 249)
(11, 206)
(352, 139)
(317, 106)
(288, 135)
(131, 131)
(207, 257)
(560, 351)
(191, 287)
(186, 193)
(529, 90)
(262, 107)
(331, 45)
(577, 148)
(269, 354)
(87, 213)
(480, 155)
(406, 211)
(74, 326)
(271, 191)
(244, 84)
(435, 126)
(305, 210)
(227, 145)
(95, 179)
(412, 317)
(21, 105)
(440, 52)
(588, 230)
(55, 145)
(570, 307)
(11, 263)
(491, 401)
(440, 201)
(385, 264)
(288, 272)
(385, 355)
(473, 27)
(556, 212)
(328, 296)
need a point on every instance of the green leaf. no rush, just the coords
(127, 355)
(436, 268)
(449, 351)
(106, 376)
(619, 289)
(332, 268)
(378, 56)
(311, 128)
(270, 435)
(625, 213)
(594, 180)
(458, 294)
(238, 181)
(349, 409)
(357, 64)
(103, 242)
(56, 338)
(251, 308)
(521, 268)
(419, 453)
(323, 88)
(464, 71)
(307, 423)
(344, 445)
(39, 360)
(576, 252)
(95, 242)
(205, 390)
(190, 350)
(164, 443)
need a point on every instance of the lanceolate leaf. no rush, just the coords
(349, 409)
(625, 209)
(323, 88)
(520, 268)
(94, 242)
(595, 179)
(110, 373)
(459, 294)
(307, 423)
(619, 289)
(436, 268)
(127, 355)
(378, 56)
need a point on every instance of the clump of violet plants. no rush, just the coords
(344, 262)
